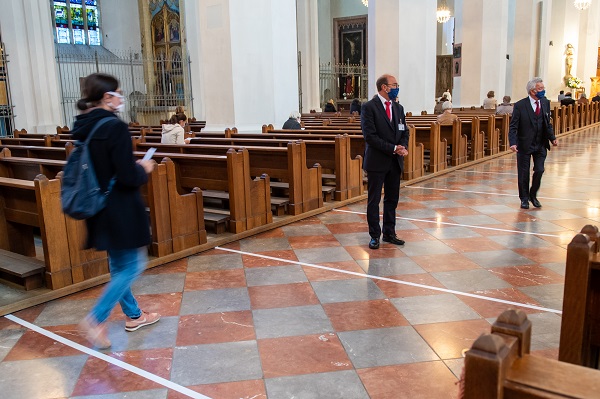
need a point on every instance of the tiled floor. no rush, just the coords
(308, 311)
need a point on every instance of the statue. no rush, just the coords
(569, 55)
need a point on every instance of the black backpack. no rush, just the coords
(80, 193)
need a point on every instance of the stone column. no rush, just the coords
(308, 46)
(244, 63)
(402, 42)
(481, 27)
(27, 32)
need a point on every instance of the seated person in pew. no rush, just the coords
(172, 132)
(293, 121)
(447, 118)
(506, 107)
(490, 102)
(355, 106)
(122, 227)
(437, 110)
(330, 106)
(568, 100)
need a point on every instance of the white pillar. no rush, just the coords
(308, 46)
(402, 42)
(27, 32)
(244, 72)
(481, 27)
(587, 53)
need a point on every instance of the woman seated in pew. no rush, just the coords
(506, 107)
(490, 102)
(172, 132)
(330, 106)
(583, 99)
(447, 118)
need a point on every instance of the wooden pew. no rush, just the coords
(29, 204)
(580, 325)
(287, 164)
(457, 142)
(249, 200)
(332, 153)
(499, 365)
(431, 140)
(414, 162)
(169, 232)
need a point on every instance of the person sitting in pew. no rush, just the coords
(355, 106)
(568, 100)
(447, 118)
(506, 107)
(172, 132)
(330, 106)
(490, 102)
(583, 99)
(438, 110)
(293, 121)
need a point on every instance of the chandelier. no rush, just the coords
(365, 3)
(582, 4)
(443, 13)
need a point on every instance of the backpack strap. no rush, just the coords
(101, 122)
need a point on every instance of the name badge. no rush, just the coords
(400, 126)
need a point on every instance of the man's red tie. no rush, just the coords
(537, 107)
(388, 111)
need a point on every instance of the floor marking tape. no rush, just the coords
(126, 366)
(459, 225)
(523, 305)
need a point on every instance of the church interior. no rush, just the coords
(260, 264)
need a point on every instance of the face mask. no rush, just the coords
(540, 94)
(393, 93)
(120, 107)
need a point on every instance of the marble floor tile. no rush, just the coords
(433, 309)
(306, 354)
(332, 385)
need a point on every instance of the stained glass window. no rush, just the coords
(77, 21)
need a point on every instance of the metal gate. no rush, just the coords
(343, 81)
(6, 109)
(153, 88)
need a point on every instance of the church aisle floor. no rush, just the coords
(308, 311)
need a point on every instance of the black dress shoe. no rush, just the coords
(374, 243)
(535, 202)
(524, 204)
(392, 239)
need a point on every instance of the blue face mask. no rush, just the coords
(393, 93)
(540, 94)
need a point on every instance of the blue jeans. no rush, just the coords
(125, 267)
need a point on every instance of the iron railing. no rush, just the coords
(153, 87)
(343, 81)
(6, 109)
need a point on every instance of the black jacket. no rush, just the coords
(567, 101)
(522, 129)
(382, 135)
(292, 123)
(123, 224)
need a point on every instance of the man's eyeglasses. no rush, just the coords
(392, 85)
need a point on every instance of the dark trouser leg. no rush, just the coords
(391, 193)
(523, 166)
(374, 185)
(539, 157)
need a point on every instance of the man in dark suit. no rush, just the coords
(384, 128)
(529, 136)
(568, 100)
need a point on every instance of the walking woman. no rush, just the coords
(122, 228)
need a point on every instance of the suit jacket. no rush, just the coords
(382, 135)
(567, 101)
(522, 124)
